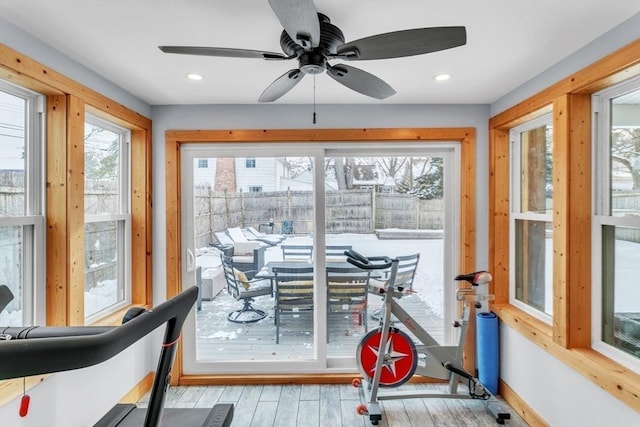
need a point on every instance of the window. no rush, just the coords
(250, 163)
(255, 189)
(616, 223)
(531, 218)
(203, 163)
(107, 218)
(21, 205)
(50, 238)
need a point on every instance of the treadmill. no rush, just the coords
(34, 350)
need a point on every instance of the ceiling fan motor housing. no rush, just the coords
(314, 61)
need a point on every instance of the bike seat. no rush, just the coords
(476, 278)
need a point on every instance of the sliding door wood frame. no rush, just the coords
(175, 138)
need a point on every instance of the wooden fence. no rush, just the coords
(349, 211)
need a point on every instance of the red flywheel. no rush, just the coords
(399, 354)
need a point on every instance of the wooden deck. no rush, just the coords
(218, 339)
(329, 405)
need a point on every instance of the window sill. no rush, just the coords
(616, 379)
(115, 318)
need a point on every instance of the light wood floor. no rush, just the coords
(329, 405)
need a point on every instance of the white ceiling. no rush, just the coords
(508, 43)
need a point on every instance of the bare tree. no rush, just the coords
(625, 149)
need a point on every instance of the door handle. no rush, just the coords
(191, 261)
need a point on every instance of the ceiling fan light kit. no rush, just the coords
(313, 40)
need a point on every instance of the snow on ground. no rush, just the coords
(100, 297)
(11, 318)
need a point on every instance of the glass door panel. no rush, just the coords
(386, 205)
(246, 209)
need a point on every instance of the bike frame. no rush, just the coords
(436, 355)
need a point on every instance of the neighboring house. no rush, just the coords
(252, 174)
(304, 182)
(258, 174)
(204, 172)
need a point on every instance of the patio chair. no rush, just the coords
(407, 266)
(239, 236)
(303, 253)
(251, 232)
(249, 236)
(223, 242)
(286, 227)
(335, 253)
(245, 290)
(247, 256)
(294, 293)
(347, 290)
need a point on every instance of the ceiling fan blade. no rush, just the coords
(403, 43)
(299, 18)
(281, 85)
(222, 51)
(360, 81)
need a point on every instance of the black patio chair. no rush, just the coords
(294, 293)
(302, 253)
(407, 266)
(347, 289)
(335, 253)
(245, 290)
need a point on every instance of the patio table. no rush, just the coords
(267, 271)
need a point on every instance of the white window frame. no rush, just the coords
(601, 142)
(318, 152)
(516, 214)
(250, 163)
(33, 219)
(122, 218)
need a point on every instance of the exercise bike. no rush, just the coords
(388, 357)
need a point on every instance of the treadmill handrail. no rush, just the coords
(25, 357)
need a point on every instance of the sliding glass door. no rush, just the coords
(281, 218)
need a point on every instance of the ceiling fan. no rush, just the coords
(309, 37)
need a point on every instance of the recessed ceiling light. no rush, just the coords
(441, 77)
(194, 76)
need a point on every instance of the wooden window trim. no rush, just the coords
(67, 101)
(568, 339)
(174, 138)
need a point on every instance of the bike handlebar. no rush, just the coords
(366, 263)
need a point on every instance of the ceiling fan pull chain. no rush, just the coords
(314, 99)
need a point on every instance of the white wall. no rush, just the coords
(34, 48)
(79, 398)
(282, 116)
(609, 42)
(562, 397)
